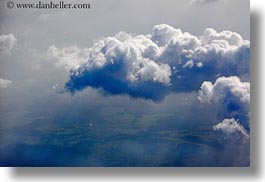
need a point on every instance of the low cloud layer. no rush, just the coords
(231, 97)
(7, 42)
(154, 65)
(4, 83)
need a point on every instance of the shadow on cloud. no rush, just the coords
(165, 61)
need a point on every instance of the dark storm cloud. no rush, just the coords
(168, 60)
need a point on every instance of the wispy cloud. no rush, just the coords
(4, 83)
(201, 2)
(67, 57)
(7, 42)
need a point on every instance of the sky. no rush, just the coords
(71, 79)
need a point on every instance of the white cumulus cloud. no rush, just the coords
(230, 96)
(167, 60)
(231, 88)
(230, 127)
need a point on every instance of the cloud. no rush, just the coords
(231, 127)
(201, 2)
(236, 141)
(162, 34)
(7, 42)
(223, 87)
(43, 17)
(154, 65)
(230, 96)
(4, 83)
(68, 57)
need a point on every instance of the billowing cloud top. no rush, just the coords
(224, 88)
(154, 65)
(231, 96)
(231, 127)
(7, 42)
